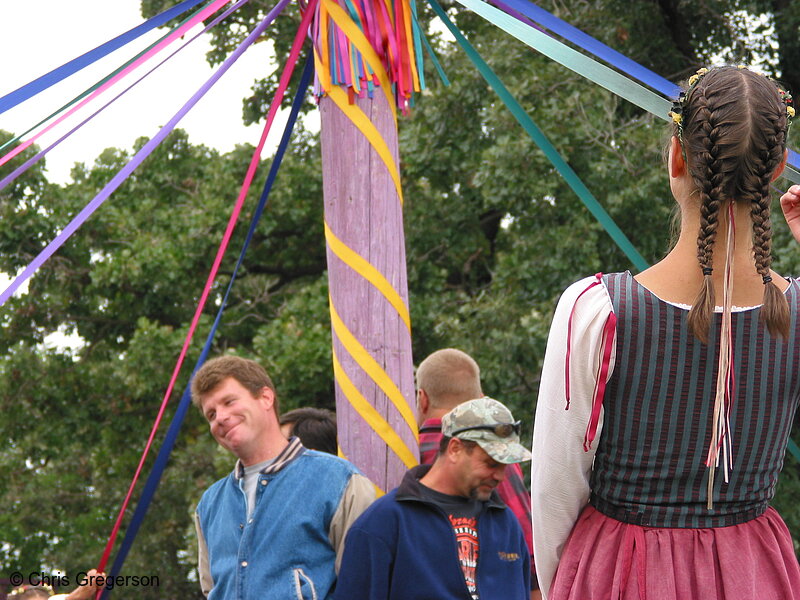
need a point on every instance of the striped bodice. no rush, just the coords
(650, 463)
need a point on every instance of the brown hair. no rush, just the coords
(469, 445)
(248, 373)
(36, 592)
(734, 127)
(449, 377)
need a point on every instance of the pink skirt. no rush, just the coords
(606, 559)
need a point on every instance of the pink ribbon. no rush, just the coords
(607, 345)
(179, 32)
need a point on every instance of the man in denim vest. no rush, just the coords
(274, 528)
(444, 532)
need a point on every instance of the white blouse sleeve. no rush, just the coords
(561, 468)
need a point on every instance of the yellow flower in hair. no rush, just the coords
(676, 117)
(696, 77)
(790, 111)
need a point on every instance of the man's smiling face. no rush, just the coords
(237, 419)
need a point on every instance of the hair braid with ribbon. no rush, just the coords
(732, 125)
(766, 158)
(707, 173)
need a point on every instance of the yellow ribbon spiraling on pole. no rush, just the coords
(367, 127)
(372, 416)
(365, 269)
(371, 367)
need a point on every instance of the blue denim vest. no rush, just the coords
(283, 550)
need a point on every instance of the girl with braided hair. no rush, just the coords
(666, 398)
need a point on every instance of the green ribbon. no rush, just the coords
(583, 65)
(607, 78)
(541, 140)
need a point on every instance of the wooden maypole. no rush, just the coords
(366, 64)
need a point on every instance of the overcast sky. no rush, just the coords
(40, 36)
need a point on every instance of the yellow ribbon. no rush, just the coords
(361, 120)
(378, 491)
(372, 416)
(371, 367)
(363, 267)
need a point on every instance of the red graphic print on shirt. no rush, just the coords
(466, 529)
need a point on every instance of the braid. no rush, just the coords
(775, 311)
(732, 124)
(707, 174)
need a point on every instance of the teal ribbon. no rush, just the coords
(541, 140)
(611, 80)
(583, 65)
(794, 449)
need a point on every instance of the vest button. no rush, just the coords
(263, 482)
(244, 563)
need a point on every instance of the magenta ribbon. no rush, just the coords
(145, 151)
(607, 345)
(179, 32)
(225, 239)
(609, 331)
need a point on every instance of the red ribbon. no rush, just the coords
(609, 333)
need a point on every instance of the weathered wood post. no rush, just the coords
(370, 323)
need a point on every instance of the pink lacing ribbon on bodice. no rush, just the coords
(606, 346)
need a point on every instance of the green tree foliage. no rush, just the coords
(493, 237)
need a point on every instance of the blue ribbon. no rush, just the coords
(628, 66)
(29, 90)
(546, 146)
(596, 47)
(186, 400)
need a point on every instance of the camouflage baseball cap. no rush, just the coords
(490, 424)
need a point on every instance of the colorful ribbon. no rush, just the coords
(590, 69)
(358, 41)
(40, 84)
(138, 158)
(228, 231)
(37, 157)
(179, 32)
(546, 146)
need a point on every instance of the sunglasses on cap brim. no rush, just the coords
(502, 430)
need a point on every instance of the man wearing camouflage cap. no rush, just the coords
(444, 532)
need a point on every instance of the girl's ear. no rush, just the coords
(779, 171)
(677, 165)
